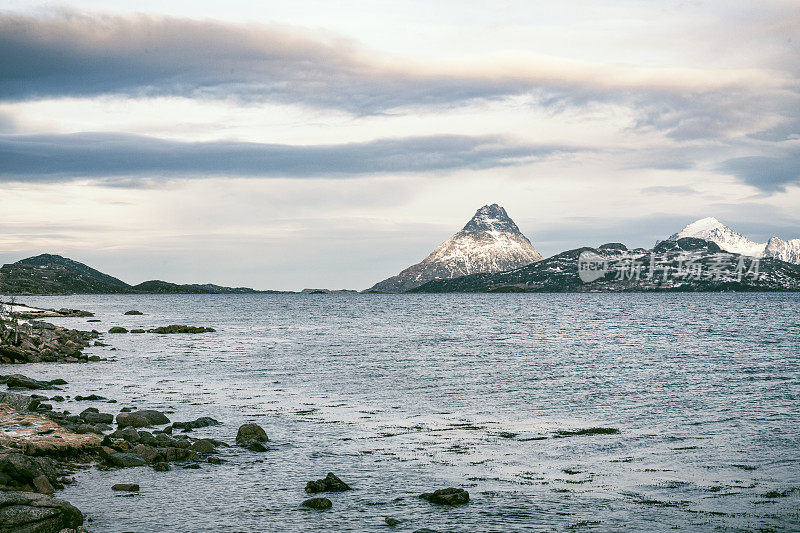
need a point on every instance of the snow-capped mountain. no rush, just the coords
(711, 229)
(490, 242)
(788, 251)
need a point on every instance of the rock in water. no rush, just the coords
(118, 329)
(133, 312)
(318, 503)
(490, 242)
(330, 483)
(251, 432)
(127, 487)
(451, 496)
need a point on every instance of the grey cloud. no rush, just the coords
(74, 54)
(131, 160)
(769, 174)
(679, 190)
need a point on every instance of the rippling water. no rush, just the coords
(404, 394)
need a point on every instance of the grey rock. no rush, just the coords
(251, 432)
(128, 487)
(449, 496)
(330, 483)
(126, 459)
(318, 503)
(28, 512)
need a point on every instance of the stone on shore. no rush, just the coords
(449, 496)
(318, 503)
(127, 487)
(138, 419)
(94, 416)
(330, 483)
(118, 329)
(28, 512)
(126, 459)
(249, 432)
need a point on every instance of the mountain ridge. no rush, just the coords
(730, 240)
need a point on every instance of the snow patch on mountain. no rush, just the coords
(788, 251)
(489, 242)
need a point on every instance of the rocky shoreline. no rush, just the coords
(41, 447)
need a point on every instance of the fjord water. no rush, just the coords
(404, 394)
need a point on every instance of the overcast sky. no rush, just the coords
(330, 144)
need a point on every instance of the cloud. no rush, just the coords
(770, 174)
(133, 160)
(678, 190)
(84, 55)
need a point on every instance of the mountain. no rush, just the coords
(713, 230)
(54, 274)
(788, 251)
(687, 264)
(490, 242)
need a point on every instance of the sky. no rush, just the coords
(286, 145)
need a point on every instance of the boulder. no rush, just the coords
(450, 496)
(251, 432)
(126, 459)
(138, 331)
(318, 503)
(118, 329)
(204, 446)
(93, 416)
(142, 418)
(20, 402)
(161, 467)
(148, 453)
(18, 381)
(129, 434)
(133, 312)
(330, 483)
(128, 487)
(203, 421)
(28, 512)
(131, 420)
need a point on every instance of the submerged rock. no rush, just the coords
(203, 421)
(449, 496)
(180, 328)
(128, 487)
(133, 312)
(251, 432)
(318, 503)
(330, 483)
(253, 446)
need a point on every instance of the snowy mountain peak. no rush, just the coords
(491, 218)
(490, 242)
(788, 251)
(711, 229)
